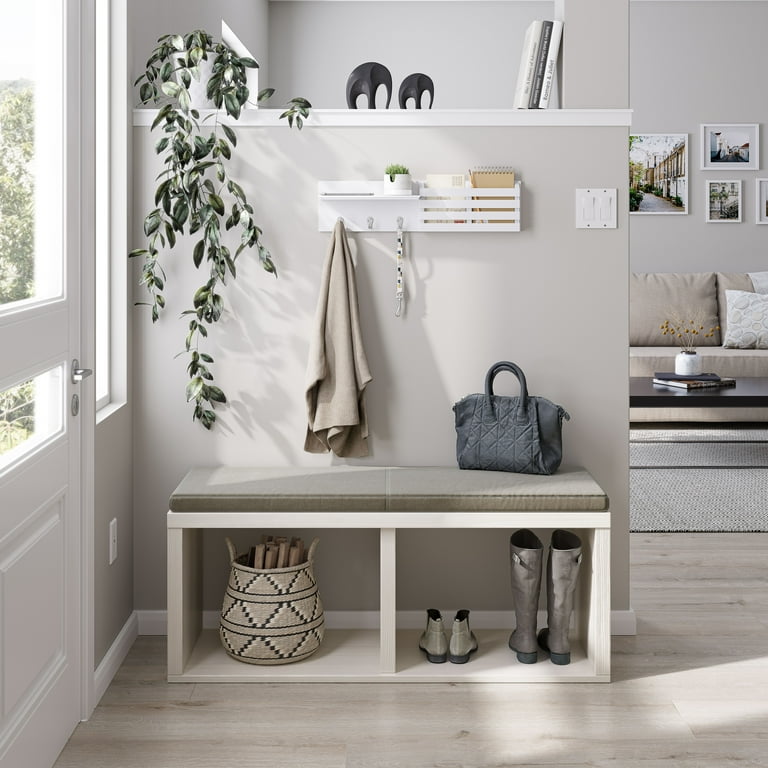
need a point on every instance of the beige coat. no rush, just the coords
(337, 371)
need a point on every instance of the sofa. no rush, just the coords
(718, 298)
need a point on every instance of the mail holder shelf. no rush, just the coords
(363, 207)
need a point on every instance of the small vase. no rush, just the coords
(687, 364)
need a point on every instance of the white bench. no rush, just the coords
(387, 498)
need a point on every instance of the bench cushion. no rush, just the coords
(383, 489)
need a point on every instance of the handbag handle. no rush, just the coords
(505, 365)
(522, 403)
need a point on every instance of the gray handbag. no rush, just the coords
(509, 434)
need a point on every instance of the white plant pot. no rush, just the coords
(399, 184)
(688, 364)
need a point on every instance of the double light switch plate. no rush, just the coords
(596, 208)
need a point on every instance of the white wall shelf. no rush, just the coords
(363, 207)
(387, 499)
(427, 118)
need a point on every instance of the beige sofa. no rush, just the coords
(653, 296)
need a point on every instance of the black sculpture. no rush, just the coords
(413, 87)
(366, 78)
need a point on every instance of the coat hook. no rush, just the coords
(370, 222)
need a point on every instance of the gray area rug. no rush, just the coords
(703, 479)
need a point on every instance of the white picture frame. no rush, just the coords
(761, 201)
(658, 174)
(730, 147)
(723, 201)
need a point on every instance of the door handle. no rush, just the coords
(78, 373)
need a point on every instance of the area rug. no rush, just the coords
(698, 479)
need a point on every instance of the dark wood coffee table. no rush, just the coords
(749, 392)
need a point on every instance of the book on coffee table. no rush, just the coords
(669, 376)
(690, 384)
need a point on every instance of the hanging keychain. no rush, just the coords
(400, 290)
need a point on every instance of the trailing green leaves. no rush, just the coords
(194, 193)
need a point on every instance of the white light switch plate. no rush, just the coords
(596, 208)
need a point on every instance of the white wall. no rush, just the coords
(551, 298)
(694, 63)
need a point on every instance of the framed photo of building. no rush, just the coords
(724, 201)
(658, 173)
(730, 146)
(761, 201)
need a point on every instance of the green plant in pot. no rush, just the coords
(397, 180)
(195, 193)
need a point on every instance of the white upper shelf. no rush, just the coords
(430, 118)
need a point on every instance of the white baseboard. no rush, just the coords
(622, 622)
(114, 657)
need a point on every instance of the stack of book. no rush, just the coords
(537, 64)
(688, 382)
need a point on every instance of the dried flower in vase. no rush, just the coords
(686, 331)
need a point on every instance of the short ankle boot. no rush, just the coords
(526, 554)
(463, 641)
(562, 573)
(433, 641)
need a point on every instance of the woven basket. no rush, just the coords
(271, 616)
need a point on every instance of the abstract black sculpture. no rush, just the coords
(413, 87)
(366, 78)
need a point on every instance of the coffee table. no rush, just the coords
(749, 392)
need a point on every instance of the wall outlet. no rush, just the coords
(112, 540)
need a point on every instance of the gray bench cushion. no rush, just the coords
(383, 489)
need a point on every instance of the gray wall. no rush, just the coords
(473, 299)
(694, 63)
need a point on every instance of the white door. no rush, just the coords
(43, 192)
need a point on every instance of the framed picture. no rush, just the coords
(658, 173)
(730, 146)
(724, 201)
(761, 201)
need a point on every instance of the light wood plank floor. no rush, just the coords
(689, 691)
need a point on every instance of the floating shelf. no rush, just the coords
(364, 208)
(427, 118)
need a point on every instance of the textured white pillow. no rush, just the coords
(747, 326)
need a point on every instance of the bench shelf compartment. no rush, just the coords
(387, 499)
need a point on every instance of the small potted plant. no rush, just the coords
(687, 332)
(397, 180)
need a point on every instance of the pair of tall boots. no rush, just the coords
(526, 555)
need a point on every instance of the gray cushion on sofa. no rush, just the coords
(729, 281)
(653, 296)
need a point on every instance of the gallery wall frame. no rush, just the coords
(723, 201)
(658, 173)
(761, 201)
(730, 146)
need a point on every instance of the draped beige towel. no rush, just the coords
(337, 372)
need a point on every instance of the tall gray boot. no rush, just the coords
(525, 554)
(562, 572)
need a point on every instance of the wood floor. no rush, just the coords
(689, 691)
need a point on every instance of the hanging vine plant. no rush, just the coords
(195, 192)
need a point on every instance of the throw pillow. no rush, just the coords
(747, 320)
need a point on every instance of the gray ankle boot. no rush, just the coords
(562, 572)
(463, 641)
(525, 553)
(432, 640)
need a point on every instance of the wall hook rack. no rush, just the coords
(364, 207)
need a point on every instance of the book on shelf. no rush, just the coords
(527, 65)
(550, 65)
(669, 376)
(538, 62)
(692, 384)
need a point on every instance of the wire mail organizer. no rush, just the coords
(363, 206)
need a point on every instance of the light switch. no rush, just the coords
(596, 208)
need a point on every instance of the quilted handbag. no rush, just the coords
(509, 434)
(271, 616)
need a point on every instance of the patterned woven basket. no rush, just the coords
(271, 616)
